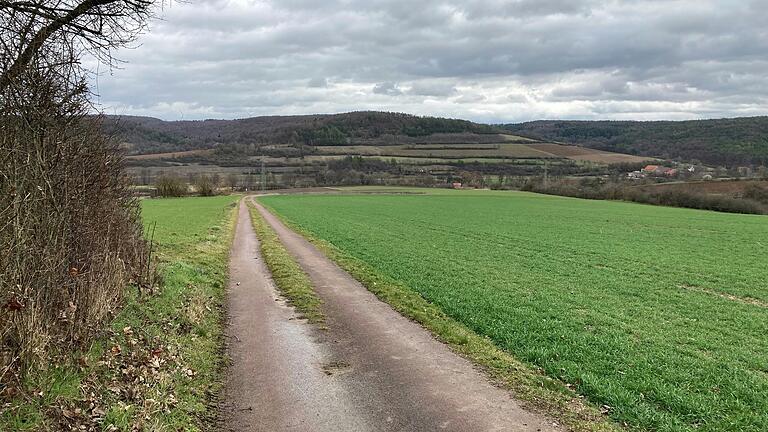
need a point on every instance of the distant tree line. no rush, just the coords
(752, 202)
(148, 135)
(722, 142)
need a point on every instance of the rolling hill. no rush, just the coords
(343, 148)
(724, 142)
(145, 135)
(360, 146)
(324, 137)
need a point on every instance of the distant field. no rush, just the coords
(283, 165)
(587, 154)
(170, 155)
(412, 153)
(659, 315)
(484, 151)
(446, 151)
(516, 138)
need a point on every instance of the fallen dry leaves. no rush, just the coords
(134, 375)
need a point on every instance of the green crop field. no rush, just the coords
(657, 315)
(179, 223)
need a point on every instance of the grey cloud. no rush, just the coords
(517, 98)
(387, 88)
(317, 83)
(470, 99)
(577, 58)
(435, 89)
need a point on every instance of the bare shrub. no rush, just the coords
(757, 193)
(170, 186)
(70, 230)
(205, 185)
(672, 198)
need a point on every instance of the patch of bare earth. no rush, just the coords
(743, 300)
(170, 155)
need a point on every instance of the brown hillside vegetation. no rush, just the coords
(729, 142)
(170, 155)
(70, 232)
(736, 188)
(353, 148)
(587, 154)
(150, 135)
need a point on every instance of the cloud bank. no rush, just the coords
(484, 60)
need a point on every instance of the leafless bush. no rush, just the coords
(757, 193)
(672, 198)
(70, 232)
(205, 185)
(170, 186)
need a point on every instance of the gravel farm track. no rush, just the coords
(371, 369)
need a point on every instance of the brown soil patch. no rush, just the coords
(587, 154)
(170, 155)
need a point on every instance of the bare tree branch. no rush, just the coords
(65, 29)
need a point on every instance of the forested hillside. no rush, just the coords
(143, 135)
(729, 142)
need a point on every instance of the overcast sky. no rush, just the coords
(483, 60)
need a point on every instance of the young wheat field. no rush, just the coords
(657, 315)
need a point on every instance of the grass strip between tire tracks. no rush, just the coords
(542, 393)
(289, 278)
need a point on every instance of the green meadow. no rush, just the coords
(658, 316)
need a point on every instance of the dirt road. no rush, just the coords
(371, 370)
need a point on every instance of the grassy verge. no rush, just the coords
(545, 394)
(286, 272)
(158, 366)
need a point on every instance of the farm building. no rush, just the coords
(658, 170)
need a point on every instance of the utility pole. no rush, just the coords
(263, 177)
(546, 173)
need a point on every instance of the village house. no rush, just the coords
(658, 170)
(650, 169)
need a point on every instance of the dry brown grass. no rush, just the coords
(170, 155)
(587, 154)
